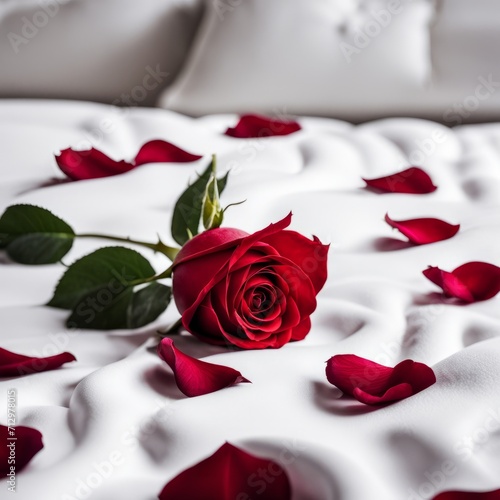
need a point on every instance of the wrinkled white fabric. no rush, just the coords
(114, 423)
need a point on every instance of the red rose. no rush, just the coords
(252, 291)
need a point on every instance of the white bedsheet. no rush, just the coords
(119, 399)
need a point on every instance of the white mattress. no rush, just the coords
(119, 398)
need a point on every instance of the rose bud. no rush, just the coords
(252, 291)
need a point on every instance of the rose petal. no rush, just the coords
(410, 181)
(372, 383)
(250, 126)
(159, 151)
(471, 282)
(195, 377)
(27, 444)
(14, 365)
(396, 393)
(93, 164)
(468, 495)
(424, 231)
(90, 164)
(310, 255)
(226, 475)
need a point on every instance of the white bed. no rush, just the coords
(114, 423)
(118, 403)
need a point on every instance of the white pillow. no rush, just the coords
(120, 51)
(329, 57)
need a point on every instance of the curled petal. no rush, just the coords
(13, 364)
(90, 164)
(159, 151)
(251, 126)
(27, 443)
(410, 181)
(424, 231)
(195, 377)
(371, 383)
(226, 475)
(471, 282)
(468, 495)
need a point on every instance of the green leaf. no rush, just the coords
(127, 309)
(148, 303)
(188, 209)
(109, 268)
(101, 310)
(33, 235)
(221, 183)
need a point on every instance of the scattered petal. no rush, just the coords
(90, 164)
(195, 377)
(374, 384)
(468, 495)
(251, 126)
(159, 151)
(93, 164)
(410, 181)
(226, 475)
(14, 365)
(424, 231)
(471, 282)
(28, 442)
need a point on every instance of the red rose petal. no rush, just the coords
(468, 495)
(471, 282)
(410, 181)
(93, 164)
(310, 255)
(424, 231)
(90, 164)
(372, 384)
(250, 126)
(227, 475)
(28, 443)
(195, 377)
(159, 151)
(396, 393)
(14, 365)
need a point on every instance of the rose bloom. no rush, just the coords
(252, 291)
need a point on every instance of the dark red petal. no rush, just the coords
(410, 181)
(418, 375)
(159, 151)
(310, 255)
(372, 383)
(302, 329)
(90, 164)
(261, 126)
(471, 282)
(468, 495)
(481, 278)
(348, 371)
(28, 443)
(396, 393)
(213, 240)
(195, 377)
(229, 474)
(14, 365)
(424, 231)
(451, 285)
